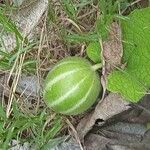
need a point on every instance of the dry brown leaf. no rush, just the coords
(96, 142)
(112, 48)
(140, 113)
(118, 141)
(112, 105)
(128, 134)
(25, 19)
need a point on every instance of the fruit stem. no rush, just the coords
(97, 66)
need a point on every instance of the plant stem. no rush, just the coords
(97, 66)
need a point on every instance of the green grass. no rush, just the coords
(37, 128)
(19, 124)
(42, 127)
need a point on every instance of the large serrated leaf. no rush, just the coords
(134, 81)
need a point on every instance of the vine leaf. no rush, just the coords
(133, 82)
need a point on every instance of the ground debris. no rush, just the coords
(29, 86)
(68, 145)
(96, 142)
(17, 146)
(112, 140)
(109, 107)
(132, 146)
(26, 19)
(128, 128)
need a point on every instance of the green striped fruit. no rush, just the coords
(72, 86)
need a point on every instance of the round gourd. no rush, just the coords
(72, 86)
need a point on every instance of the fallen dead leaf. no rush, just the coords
(112, 105)
(140, 112)
(127, 128)
(121, 137)
(131, 146)
(96, 142)
(117, 140)
(112, 48)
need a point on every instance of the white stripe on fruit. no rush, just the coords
(80, 101)
(65, 96)
(60, 77)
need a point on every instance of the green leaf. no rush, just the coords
(134, 81)
(125, 84)
(94, 52)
